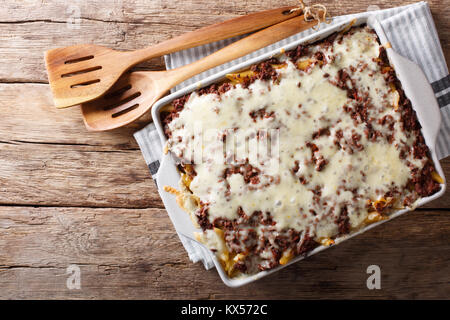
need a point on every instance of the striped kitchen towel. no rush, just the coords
(412, 33)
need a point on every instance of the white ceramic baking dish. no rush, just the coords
(414, 83)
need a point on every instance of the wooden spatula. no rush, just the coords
(135, 93)
(81, 73)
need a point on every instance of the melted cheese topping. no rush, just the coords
(296, 107)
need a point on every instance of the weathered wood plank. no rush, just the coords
(20, 63)
(59, 175)
(135, 254)
(53, 236)
(27, 114)
(170, 11)
(30, 28)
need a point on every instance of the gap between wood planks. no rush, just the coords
(156, 206)
(19, 142)
(132, 22)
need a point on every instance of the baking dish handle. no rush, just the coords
(168, 176)
(419, 91)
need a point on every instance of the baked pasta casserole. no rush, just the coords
(348, 151)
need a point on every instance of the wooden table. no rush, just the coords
(68, 196)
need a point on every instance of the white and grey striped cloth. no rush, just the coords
(412, 33)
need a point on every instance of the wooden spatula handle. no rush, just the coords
(227, 29)
(240, 48)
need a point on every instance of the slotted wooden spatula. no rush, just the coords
(81, 73)
(135, 93)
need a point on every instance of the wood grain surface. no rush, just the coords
(68, 196)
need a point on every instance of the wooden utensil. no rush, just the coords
(135, 93)
(81, 73)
